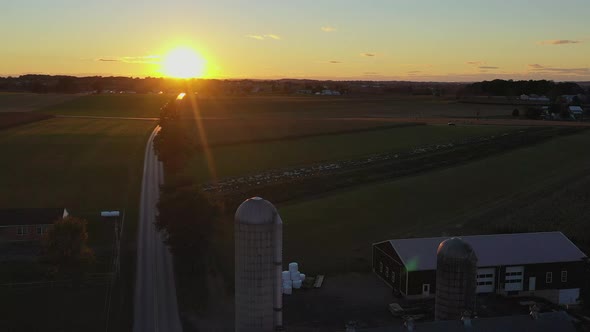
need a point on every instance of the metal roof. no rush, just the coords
(36, 216)
(493, 250)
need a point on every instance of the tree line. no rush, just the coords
(547, 88)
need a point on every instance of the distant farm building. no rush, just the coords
(27, 224)
(546, 265)
(576, 111)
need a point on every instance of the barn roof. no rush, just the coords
(493, 250)
(35, 216)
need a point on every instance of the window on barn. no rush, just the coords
(380, 267)
(563, 276)
(387, 271)
(548, 277)
(392, 277)
(39, 229)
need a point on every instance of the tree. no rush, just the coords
(515, 113)
(188, 218)
(66, 247)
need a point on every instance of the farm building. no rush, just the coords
(576, 111)
(546, 265)
(27, 224)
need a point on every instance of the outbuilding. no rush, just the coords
(545, 264)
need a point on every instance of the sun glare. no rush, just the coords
(183, 63)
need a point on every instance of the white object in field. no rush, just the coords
(293, 267)
(287, 290)
(288, 283)
(65, 214)
(110, 214)
(295, 275)
(302, 276)
(297, 284)
(258, 273)
(286, 275)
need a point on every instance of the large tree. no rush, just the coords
(188, 218)
(66, 247)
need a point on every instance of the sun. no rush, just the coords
(183, 62)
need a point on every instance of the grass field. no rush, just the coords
(248, 158)
(116, 105)
(334, 233)
(344, 106)
(25, 102)
(73, 163)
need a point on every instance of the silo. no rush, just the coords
(258, 266)
(456, 270)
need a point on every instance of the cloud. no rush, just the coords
(144, 59)
(559, 42)
(328, 28)
(335, 61)
(414, 71)
(370, 73)
(537, 68)
(488, 67)
(368, 54)
(263, 37)
(475, 63)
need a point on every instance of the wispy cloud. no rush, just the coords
(414, 71)
(537, 68)
(328, 28)
(263, 37)
(488, 67)
(335, 61)
(559, 42)
(370, 73)
(474, 63)
(144, 59)
(368, 54)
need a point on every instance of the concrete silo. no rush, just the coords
(258, 267)
(456, 273)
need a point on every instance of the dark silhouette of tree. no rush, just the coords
(66, 247)
(188, 219)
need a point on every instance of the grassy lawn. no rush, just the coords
(117, 105)
(85, 165)
(248, 158)
(334, 233)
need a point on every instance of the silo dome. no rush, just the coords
(456, 272)
(256, 211)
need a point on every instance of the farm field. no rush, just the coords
(247, 158)
(75, 163)
(342, 107)
(26, 102)
(334, 233)
(111, 105)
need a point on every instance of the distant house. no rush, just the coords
(546, 265)
(27, 224)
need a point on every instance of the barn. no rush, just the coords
(27, 224)
(544, 264)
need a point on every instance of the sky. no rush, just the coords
(418, 40)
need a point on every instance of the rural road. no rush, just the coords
(155, 305)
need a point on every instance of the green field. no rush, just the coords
(334, 233)
(25, 102)
(74, 163)
(248, 158)
(116, 105)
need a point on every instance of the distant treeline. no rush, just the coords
(517, 88)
